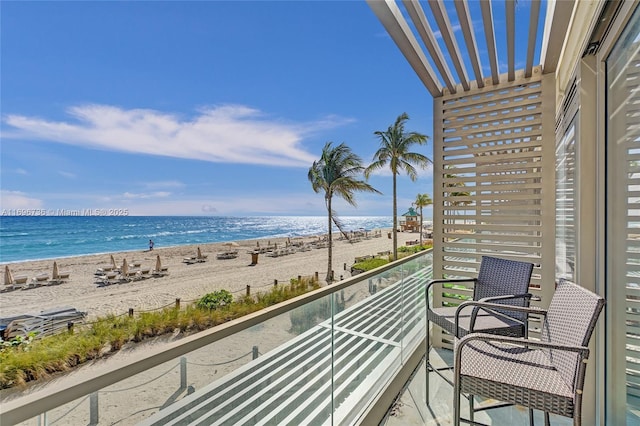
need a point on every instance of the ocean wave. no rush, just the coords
(65, 237)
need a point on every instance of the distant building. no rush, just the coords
(410, 221)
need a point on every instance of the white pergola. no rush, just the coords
(494, 135)
(558, 16)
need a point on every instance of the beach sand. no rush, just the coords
(185, 281)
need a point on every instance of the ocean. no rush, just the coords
(47, 237)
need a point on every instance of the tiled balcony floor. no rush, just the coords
(410, 408)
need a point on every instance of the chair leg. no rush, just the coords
(546, 419)
(456, 403)
(531, 420)
(471, 409)
(426, 362)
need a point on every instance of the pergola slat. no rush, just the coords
(533, 34)
(424, 29)
(462, 8)
(391, 18)
(487, 19)
(446, 30)
(511, 44)
(556, 24)
(434, 62)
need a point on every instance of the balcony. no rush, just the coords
(350, 353)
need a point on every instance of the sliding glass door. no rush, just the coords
(623, 227)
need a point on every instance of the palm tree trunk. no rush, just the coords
(329, 278)
(395, 220)
(420, 226)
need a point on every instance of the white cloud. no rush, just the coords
(163, 184)
(386, 172)
(228, 133)
(157, 194)
(304, 203)
(67, 174)
(22, 172)
(18, 200)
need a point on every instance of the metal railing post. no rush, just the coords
(183, 372)
(93, 409)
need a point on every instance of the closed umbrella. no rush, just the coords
(125, 268)
(113, 263)
(8, 277)
(158, 264)
(199, 253)
(56, 273)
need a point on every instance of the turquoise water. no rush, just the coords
(47, 237)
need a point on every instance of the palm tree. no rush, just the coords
(395, 146)
(422, 200)
(335, 173)
(453, 193)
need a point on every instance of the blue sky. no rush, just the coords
(197, 108)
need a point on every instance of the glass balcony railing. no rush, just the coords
(321, 358)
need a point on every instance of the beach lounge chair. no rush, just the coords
(201, 257)
(126, 275)
(107, 268)
(58, 277)
(107, 278)
(38, 281)
(159, 271)
(231, 254)
(13, 282)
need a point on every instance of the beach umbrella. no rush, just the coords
(158, 264)
(56, 273)
(8, 277)
(125, 268)
(199, 253)
(258, 244)
(113, 263)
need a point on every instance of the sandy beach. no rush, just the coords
(185, 281)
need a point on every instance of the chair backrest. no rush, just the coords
(571, 319)
(498, 277)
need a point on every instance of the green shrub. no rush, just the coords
(414, 249)
(215, 300)
(369, 264)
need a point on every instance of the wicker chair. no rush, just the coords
(499, 280)
(546, 374)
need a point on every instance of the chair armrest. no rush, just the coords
(507, 297)
(492, 309)
(445, 281)
(517, 341)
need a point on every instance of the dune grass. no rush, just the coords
(25, 360)
(404, 251)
